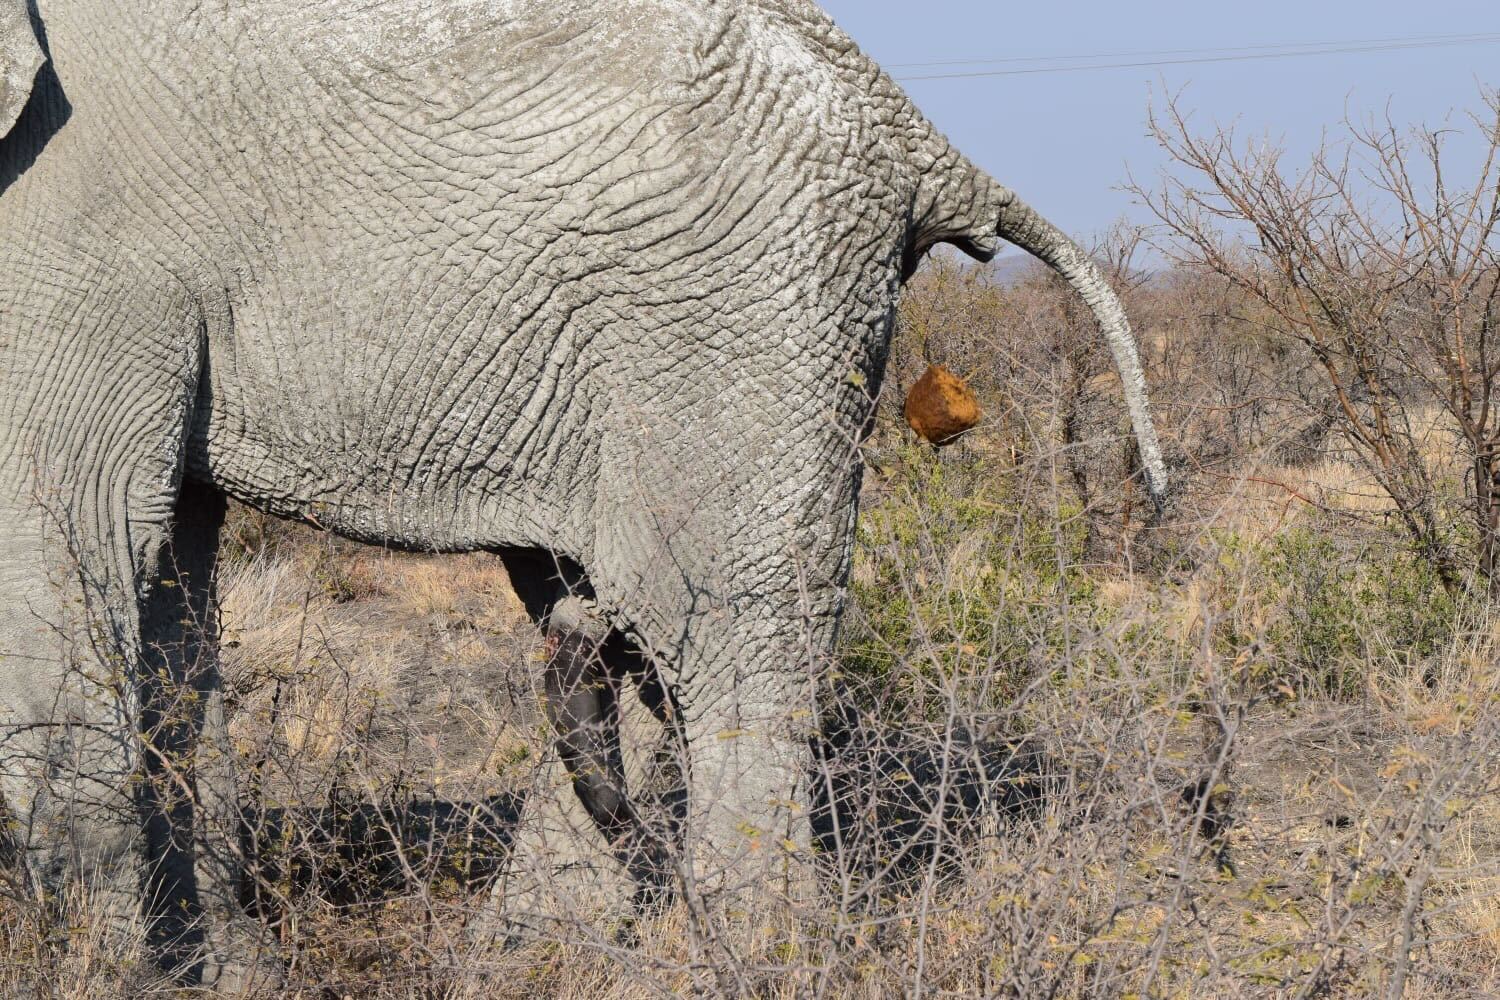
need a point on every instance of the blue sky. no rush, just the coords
(1064, 141)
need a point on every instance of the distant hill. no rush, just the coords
(1014, 266)
(1010, 268)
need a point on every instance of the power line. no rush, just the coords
(1200, 51)
(1487, 39)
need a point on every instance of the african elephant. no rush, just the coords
(604, 286)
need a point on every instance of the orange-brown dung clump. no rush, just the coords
(940, 406)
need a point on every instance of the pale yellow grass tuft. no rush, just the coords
(75, 953)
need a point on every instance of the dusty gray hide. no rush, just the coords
(606, 286)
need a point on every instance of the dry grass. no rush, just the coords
(1337, 804)
(66, 953)
(1268, 740)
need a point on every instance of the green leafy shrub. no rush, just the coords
(1342, 607)
(956, 576)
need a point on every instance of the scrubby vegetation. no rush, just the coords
(1250, 749)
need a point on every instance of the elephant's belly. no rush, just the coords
(432, 488)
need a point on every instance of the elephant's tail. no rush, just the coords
(963, 205)
(960, 204)
(1026, 228)
(969, 208)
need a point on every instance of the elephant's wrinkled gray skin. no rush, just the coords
(608, 279)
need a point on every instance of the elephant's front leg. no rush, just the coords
(105, 563)
(178, 631)
(189, 805)
(582, 684)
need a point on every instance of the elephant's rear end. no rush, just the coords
(612, 282)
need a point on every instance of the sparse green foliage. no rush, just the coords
(1343, 609)
(957, 574)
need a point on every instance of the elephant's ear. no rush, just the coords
(20, 57)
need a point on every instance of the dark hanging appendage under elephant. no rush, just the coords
(606, 287)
